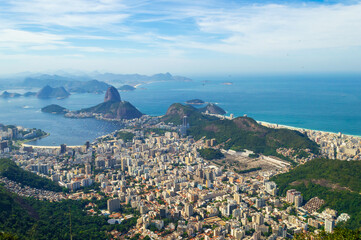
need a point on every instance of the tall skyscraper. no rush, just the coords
(329, 225)
(88, 169)
(188, 210)
(62, 148)
(113, 205)
(184, 126)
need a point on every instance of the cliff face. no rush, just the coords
(49, 92)
(112, 95)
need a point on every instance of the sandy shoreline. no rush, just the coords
(303, 129)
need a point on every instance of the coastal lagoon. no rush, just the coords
(321, 102)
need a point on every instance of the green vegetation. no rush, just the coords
(337, 182)
(210, 153)
(8, 236)
(54, 108)
(339, 233)
(126, 136)
(33, 219)
(239, 133)
(115, 110)
(10, 170)
(253, 155)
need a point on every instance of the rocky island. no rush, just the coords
(49, 92)
(7, 94)
(195, 102)
(54, 109)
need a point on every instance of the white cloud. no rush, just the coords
(21, 40)
(213, 32)
(65, 6)
(272, 28)
(68, 13)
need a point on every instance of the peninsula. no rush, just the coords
(111, 109)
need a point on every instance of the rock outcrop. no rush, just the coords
(112, 95)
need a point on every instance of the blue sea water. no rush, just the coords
(322, 102)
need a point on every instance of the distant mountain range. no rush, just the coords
(70, 84)
(83, 82)
(136, 78)
(7, 94)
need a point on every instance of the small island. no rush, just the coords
(49, 92)
(126, 88)
(54, 109)
(195, 102)
(7, 94)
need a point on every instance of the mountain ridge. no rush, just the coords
(239, 133)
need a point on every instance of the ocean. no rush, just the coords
(319, 101)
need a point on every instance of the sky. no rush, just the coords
(181, 37)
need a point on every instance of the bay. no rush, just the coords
(327, 102)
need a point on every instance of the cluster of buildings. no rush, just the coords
(174, 191)
(337, 145)
(12, 133)
(26, 191)
(332, 145)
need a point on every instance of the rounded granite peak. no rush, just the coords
(112, 95)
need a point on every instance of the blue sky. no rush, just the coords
(182, 37)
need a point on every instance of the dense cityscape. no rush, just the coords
(170, 120)
(157, 170)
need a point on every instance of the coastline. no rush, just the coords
(276, 125)
(263, 123)
(21, 143)
(49, 147)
